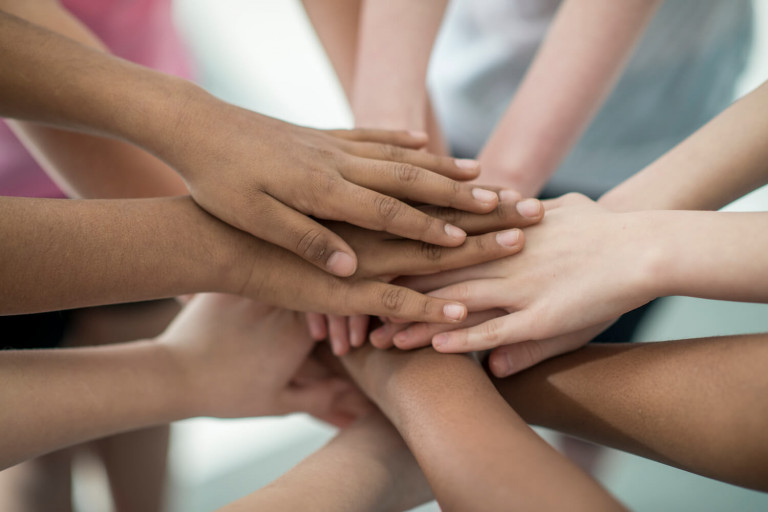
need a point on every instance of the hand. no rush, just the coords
(583, 266)
(238, 358)
(266, 177)
(391, 256)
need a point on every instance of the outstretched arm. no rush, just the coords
(472, 447)
(239, 165)
(222, 356)
(84, 165)
(699, 405)
(719, 163)
(573, 72)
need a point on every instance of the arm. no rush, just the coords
(366, 467)
(220, 150)
(719, 163)
(585, 265)
(222, 356)
(471, 446)
(83, 165)
(575, 69)
(695, 404)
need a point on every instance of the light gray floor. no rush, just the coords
(262, 55)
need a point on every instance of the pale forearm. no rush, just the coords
(657, 401)
(472, 448)
(719, 163)
(56, 398)
(390, 74)
(62, 254)
(711, 255)
(577, 66)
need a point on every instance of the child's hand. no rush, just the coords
(239, 358)
(385, 257)
(267, 177)
(582, 267)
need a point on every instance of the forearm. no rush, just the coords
(354, 472)
(64, 254)
(83, 165)
(719, 163)
(712, 255)
(56, 398)
(60, 82)
(471, 446)
(575, 69)
(655, 400)
(390, 74)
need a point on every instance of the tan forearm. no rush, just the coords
(696, 404)
(472, 448)
(63, 254)
(56, 398)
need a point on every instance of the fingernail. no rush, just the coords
(416, 134)
(529, 208)
(440, 340)
(455, 232)
(484, 196)
(466, 163)
(501, 366)
(454, 311)
(508, 238)
(315, 331)
(341, 264)
(509, 195)
(400, 337)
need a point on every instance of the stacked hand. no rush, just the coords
(493, 235)
(553, 297)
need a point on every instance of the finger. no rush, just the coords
(420, 334)
(303, 236)
(382, 299)
(398, 257)
(318, 328)
(439, 280)
(379, 212)
(479, 294)
(510, 328)
(456, 168)
(338, 334)
(358, 326)
(507, 214)
(403, 138)
(383, 336)
(416, 184)
(510, 359)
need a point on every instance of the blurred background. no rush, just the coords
(263, 55)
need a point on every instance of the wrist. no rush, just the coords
(650, 275)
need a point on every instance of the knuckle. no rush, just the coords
(491, 334)
(390, 152)
(388, 208)
(312, 245)
(431, 252)
(393, 298)
(406, 173)
(449, 215)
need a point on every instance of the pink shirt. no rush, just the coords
(138, 30)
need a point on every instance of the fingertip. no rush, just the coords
(510, 238)
(500, 363)
(341, 264)
(467, 165)
(456, 233)
(530, 208)
(455, 312)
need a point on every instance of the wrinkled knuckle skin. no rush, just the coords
(390, 152)
(406, 174)
(312, 246)
(431, 252)
(491, 333)
(387, 207)
(449, 215)
(393, 298)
